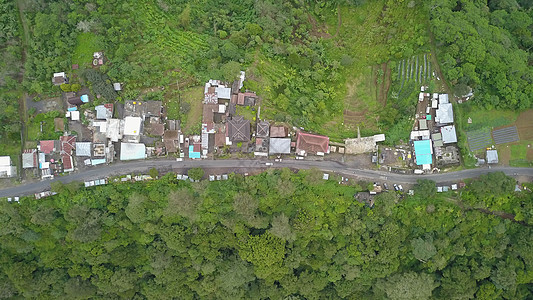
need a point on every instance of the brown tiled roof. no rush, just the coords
(170, 135)
(277, 131)
(220, 139)
(74, 100)
(170, 145)
(157, 129)
(312, 143)
(208, 112)
(239, 129)
(59, 80)
(197, 147)
(68, 143)
(240, 99)
(67, 161)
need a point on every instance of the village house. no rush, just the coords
(170, 139)
(68, 144)
(6, 169)
(30, 159)
(307, 143)
(278, 131)
(279, 146)
(132, 151)
(238, 130)
(104, 111)
(59, 78)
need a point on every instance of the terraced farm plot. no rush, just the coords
(505, 135)
(479, 139)
(417, 68)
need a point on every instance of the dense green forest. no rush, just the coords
(277, 235)
(487, 45)
(10, 77)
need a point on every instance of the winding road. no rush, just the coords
(142, 166)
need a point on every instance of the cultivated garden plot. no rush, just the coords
(417, 68)
(505, 135)
(479, 139)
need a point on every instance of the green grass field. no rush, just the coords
(88, 43)
(486, 118)
(193, 96)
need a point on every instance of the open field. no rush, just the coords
(501, 125)
(87, 44)
(193, 96)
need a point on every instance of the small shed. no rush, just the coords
(492, 156)
(423, 124)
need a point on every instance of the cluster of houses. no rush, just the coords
(139, 130)
(434, 137)
(224, 127)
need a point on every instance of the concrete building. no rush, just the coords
(279, 146)
(6, 169)
(132, 151)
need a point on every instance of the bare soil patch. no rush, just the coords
(504, 156)
(524, 124)
(319, 30)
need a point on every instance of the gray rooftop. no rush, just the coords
(83, 148)
(280, 146)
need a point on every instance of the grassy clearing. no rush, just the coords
(193, 96)
(87, 44)
(247, 113)
(486, 118)
(48, 133)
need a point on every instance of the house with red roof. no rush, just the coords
(311, 143)
(68, 144)
(48, 146)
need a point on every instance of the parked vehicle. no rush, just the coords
(269, 164)
(299, 157)
(396, 187)
(400, 187)
(385, 185)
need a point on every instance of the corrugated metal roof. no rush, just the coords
(423, 152)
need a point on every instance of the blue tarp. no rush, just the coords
(84, 98)
(73, 108)
(193, 154)
(423, 152)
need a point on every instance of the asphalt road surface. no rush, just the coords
(142, 166)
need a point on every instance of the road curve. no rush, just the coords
(142, 166)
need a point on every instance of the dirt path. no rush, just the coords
(436, 65)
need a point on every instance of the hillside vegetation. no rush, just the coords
(486, 45)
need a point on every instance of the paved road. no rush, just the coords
(121, 168)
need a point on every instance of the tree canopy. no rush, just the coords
(247, 238)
